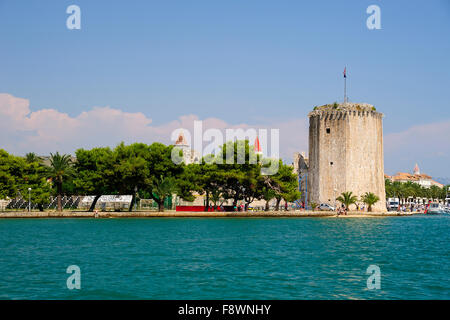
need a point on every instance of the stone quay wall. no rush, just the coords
(178, 214)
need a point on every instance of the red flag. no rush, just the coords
(257, 146)
(345, 72)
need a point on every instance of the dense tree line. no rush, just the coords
(242, 179)
(18, 174)
(148, 169)
(405, 190)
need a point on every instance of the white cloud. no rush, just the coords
(426, 144)
(48, 130)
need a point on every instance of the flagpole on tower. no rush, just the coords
(345, 85)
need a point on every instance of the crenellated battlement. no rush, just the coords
(338, 111)
(340, 115)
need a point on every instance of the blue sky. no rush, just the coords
(252, 62)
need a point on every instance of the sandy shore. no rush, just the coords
(150, 214)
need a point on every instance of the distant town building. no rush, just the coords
(189, 155)
(301, 170)
(423, 179)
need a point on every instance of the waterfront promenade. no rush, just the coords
(179, 214)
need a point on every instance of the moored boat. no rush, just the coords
(435, 208)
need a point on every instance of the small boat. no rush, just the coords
(435, 208)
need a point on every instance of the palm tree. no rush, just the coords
(398, 190)
(31, 157)
(417, 191)
(444, 191)
(347, 198)
(410, 190)
(59, 169)
(370, 199)
(434, 192)
(163, 188)
(388, 188)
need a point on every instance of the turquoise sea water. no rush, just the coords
(226, 258)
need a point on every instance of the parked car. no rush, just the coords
(325, 207)
(392, 204)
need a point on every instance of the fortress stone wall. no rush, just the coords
(345, 153)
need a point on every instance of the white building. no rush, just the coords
(189, 155)
(423, 179)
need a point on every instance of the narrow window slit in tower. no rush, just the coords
(328, 130)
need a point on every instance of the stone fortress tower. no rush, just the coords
(345, 153)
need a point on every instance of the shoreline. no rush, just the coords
(185, 214)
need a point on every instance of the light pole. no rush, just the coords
(245, 203)
(334, 196)
(334, 180)
(135, 196)
(29, 199)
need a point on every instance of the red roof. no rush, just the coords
(181, 139)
